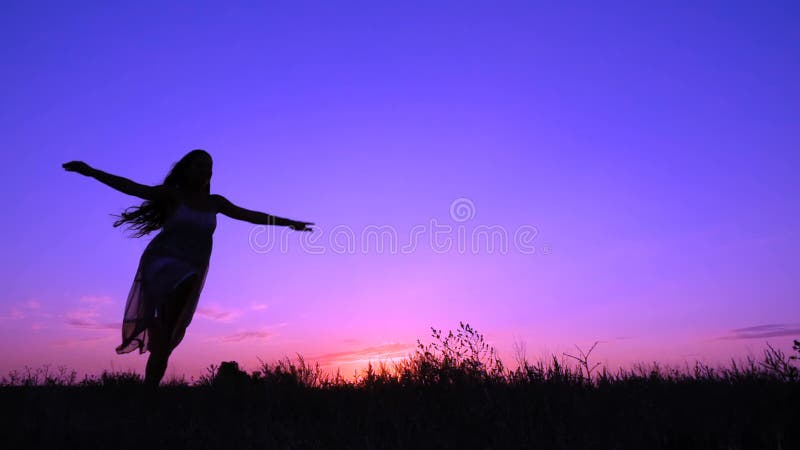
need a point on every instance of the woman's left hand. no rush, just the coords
(301, 226)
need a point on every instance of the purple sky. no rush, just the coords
(653, 148)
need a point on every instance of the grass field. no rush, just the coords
(452, 393)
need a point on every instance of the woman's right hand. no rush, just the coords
(77, 166)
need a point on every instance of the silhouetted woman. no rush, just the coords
(172, 269)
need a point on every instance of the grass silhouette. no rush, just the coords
(451, 393)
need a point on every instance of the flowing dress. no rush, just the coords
(180, 250)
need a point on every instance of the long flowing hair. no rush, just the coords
(151, 214)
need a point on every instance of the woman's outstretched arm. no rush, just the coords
(121, 184)
(236, 212)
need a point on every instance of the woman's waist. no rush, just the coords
(194, 250)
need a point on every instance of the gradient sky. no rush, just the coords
(653, 147)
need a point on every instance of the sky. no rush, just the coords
(633, 165)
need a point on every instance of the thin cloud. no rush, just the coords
(612, 340)
(22, 310)
(82, 315)
(764, 331)
(77, 342)
(88, 325)
(378, 352)
(86, 319)
(258, 306)
(14, 314)
(33, 304)
(247, 335)
(217, 314)
(95, 300)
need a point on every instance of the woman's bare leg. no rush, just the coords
(156, 366)
(160, 335)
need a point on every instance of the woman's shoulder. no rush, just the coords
(219, 201)
(166, 193)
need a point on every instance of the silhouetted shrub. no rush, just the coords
(458, 358)
(776, 363)
(286, 373)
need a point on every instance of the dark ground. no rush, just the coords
(451, 394)
(639, 414)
